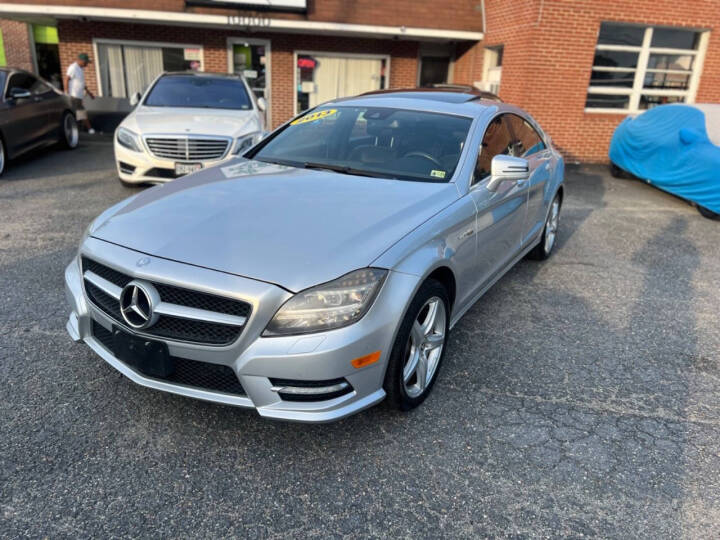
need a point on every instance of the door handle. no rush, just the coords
(467, 234)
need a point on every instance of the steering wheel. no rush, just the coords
(424, 155)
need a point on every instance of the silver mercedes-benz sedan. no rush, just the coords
(321, 272)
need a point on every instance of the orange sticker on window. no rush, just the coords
(318, 115)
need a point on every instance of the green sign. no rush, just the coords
(3, 61)
(45, 34)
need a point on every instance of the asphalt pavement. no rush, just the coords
(579, 397)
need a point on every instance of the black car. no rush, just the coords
(33, 114)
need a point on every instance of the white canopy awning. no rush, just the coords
(260, 23)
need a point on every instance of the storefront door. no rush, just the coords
(251, 59)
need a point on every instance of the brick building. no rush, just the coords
(579, 66)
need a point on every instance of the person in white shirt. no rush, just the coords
(75, 85)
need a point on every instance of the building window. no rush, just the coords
(638, 67)
(128, 68)
(492, 69)
(321, 77)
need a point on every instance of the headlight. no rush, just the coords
(332, 305)
(246, 141)
(128, 139)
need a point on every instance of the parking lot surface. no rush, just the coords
(579, 397)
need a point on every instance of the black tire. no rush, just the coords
(707, 213)
(394, 384)
(544, 248)
(3, 156)
(69, 135)
(617, 172)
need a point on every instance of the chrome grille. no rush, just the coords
(188, 148)
(169, 326)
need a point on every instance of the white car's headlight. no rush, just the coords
(332, 305)
(128, 139)
(246, 141)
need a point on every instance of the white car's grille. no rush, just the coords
(188, 148)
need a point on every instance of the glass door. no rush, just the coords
(251, 59)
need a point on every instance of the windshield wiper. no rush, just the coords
(342, 169)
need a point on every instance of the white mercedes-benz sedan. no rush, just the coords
(186, 121)
(320, 272)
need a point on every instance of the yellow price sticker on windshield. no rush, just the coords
(437, 174)
(318, 115)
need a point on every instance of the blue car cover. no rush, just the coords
(669, 147)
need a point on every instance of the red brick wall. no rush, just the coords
(76, 37)
(17, 44)
(468, 63)
(548, 53)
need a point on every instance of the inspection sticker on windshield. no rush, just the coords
(314, 116)
(437, 174)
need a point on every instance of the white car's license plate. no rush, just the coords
(187, 168)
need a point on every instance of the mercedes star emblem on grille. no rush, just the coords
(137, 302)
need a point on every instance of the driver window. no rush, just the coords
(527, 140)
(497, 140)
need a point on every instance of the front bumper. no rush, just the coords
(142, 167)
(254, 359)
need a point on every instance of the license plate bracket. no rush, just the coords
(149, 357)
(187, 168)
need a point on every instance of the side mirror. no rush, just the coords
(19, 93)
(504, 168)
(689, 136)
(262, 104)
(135, 99)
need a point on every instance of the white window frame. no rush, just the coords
(644, 51)
(97, 41)
(297, 53)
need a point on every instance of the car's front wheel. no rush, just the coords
(419, 347)
(616, 171)
(70, 135)
(549, 237)
(706, 212)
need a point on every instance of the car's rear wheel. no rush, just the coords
(549, 236)
(70, 131)
(419, 347)
(706, 212)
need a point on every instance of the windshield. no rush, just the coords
(198, 91)
(371, 141)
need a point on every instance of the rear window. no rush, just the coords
(199, 92)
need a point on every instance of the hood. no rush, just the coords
(223, 122)
(292, 227)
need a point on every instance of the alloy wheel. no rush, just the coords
(2, 157)
(424, 347)
(551, 226)
(72, 133)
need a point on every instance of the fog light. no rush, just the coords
(366, 360)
